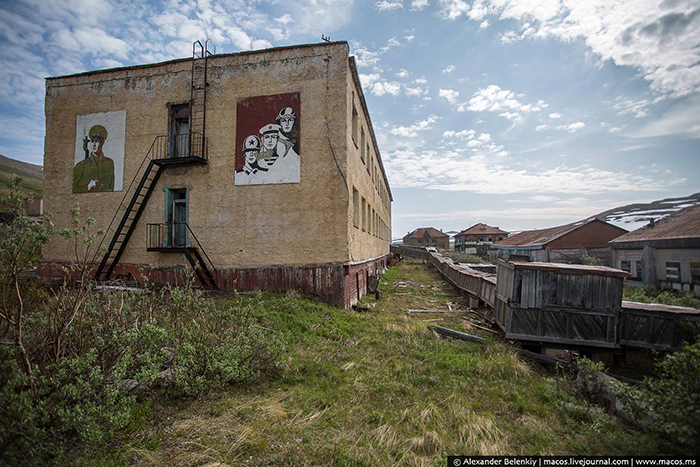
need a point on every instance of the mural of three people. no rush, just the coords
(271, 154)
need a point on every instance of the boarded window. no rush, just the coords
(364, 214)
(625, 266)
(355, 125)
(362, 144)
(695, 273)
(639, 269)
(673, 272)
(355, 207)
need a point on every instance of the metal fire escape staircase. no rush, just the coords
(160, 156)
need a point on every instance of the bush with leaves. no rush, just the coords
(672, 398)
(90, 350)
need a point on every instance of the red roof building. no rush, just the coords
(563, 244)
(427, 236)
(476, 239)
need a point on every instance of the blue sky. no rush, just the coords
(518, 113)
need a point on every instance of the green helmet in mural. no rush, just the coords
(98, 130)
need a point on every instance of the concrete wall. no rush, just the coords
(275, 226)
(685, 257)
(369, 216)
(291, 224)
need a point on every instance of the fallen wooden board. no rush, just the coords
(435, 311)
(456, 334)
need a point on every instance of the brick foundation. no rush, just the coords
(339, 285)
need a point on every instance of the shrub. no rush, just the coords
(672, 399)
(92, 354)
(650, 294)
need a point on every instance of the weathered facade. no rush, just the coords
(477, 239)
(664, 254)
(562, 244)
(427, 237)
(559, 304)
(262, 167)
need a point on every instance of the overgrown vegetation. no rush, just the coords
(172, 377)
(74, 361)
(650, 294)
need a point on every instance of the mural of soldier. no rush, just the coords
(96, 172)
(272, 148)
(251, 150)
(289, 128)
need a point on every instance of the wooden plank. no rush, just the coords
(456, 334)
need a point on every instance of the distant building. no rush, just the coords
(477, 239)
(664, 254)
(427, 236)
(283, 188)
(562, 244)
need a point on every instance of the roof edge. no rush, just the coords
(179, 60)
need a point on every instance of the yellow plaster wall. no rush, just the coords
(365, 244)
(238, 226)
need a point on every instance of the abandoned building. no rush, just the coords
(260, 168)
(664, 254)
(476, 239)
(562, 244)
(427, 237)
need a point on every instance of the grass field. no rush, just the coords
(31, 184)
(376, 388)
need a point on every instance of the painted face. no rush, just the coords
(287, 123)
(269, 140)
(96, 142)
(251, 156)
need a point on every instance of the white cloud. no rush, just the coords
(415, 92)
(681, 119)
(503, 101)
(449, 94)
(554, 115)
(402, 73)
(412, 130)
(449, 69)
(484, 24)
(421, 80)
(381, 88)
(453, 9)
(639, 108)
(482, 172)
(571, 128)
(385, 5)
(419, 5)
(464, 134)
(659, 38)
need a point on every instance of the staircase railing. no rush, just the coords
(160, 236)
(157, 150)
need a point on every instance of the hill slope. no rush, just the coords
(33, 175)
(633, 216)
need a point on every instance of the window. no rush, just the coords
(369, 163)
(364, 214)
(355, 124)
(362, 144)
(695, 273)
(355, 207)
(639, 270)
(673, 272)
(625, 266)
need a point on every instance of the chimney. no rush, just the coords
(651, 222)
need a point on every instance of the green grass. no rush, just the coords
(30, 183)
(377, 388)
(649, 294)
